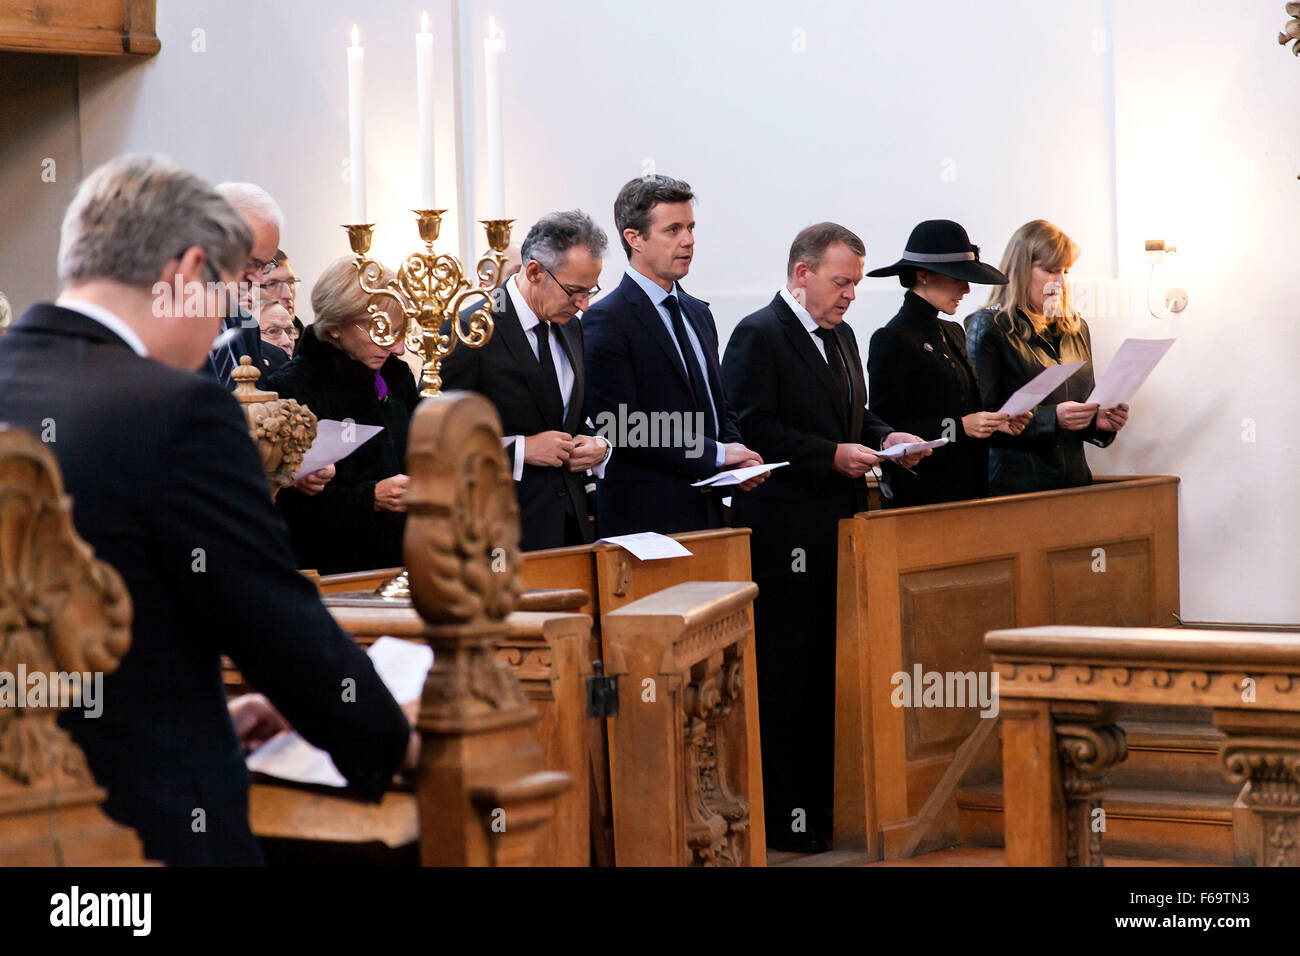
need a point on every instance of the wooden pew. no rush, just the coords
(1062, 689)
(64, 612)
(919, 588)
(687, 781)
(609, 575)
(612, 578)
(483, 794)
(546, 653)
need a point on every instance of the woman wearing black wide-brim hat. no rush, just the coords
(921, 379)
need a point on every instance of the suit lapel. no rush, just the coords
(648, 315)
(516, 343)
(802, 344)
(570, 338)
(857, 411)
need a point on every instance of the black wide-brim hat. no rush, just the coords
(942, 246)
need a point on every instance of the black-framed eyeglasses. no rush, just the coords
(288, 285)
(572, 294)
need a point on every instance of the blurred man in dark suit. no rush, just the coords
(653, 378)
(262, 214)
(532, 371)
(794, 376)
(168, 488)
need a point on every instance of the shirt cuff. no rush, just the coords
(722, 454)
(518, 451)
(598, 469)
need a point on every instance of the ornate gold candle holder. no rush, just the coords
(430, 289)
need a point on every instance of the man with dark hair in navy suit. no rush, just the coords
(653, 382)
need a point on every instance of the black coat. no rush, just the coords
(162, 475)
(506, 371)
(632, 366)
(922, 382)
(790, 409)
(339, 529)
(1007, 353)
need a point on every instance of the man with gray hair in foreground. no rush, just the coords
(168, 488)
(531, 370)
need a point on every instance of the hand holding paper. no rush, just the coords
(1130, 367)
(334, 442)
(1030, 395)
(737, 476)
(902, 449)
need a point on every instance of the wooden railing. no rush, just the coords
(1062, 689)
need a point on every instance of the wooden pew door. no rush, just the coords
(919, 588)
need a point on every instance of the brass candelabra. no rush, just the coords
(430, 290)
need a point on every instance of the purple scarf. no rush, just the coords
(381, 387)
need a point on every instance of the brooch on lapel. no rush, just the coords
(927, 346)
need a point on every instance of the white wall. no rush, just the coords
(1119, 121)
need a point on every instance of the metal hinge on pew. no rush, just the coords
(602, 693)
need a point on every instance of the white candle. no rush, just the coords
(424, 106)
(493, 45)
(356, 129)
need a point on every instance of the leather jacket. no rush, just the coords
(1007, 353)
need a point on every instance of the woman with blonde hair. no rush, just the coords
(355, 522)
(1028, 325)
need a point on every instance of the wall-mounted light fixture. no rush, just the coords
(1158, 253)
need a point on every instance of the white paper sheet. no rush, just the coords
(1128, 370)
(648, 545)
(907, 447)
(737, 476)
(330, 446)
(401, 665)
(1028, 396)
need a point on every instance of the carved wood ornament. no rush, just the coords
(62, 612)
(485, 797)
(281, 428)
(1291, 31)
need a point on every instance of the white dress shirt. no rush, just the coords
(110, 320)
(806, 319)
(529, 321)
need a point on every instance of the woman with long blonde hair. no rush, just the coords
(1029, 324)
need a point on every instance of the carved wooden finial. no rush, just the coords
(281, 428)
(65, 622)
(485, 796)
(462, 525)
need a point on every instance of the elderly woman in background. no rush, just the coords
(356, 522)
(1028, 325)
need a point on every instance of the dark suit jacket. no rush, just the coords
(506, 372)
(1007, 353)
(633, 367)
(168, 488)
(789, 410)
(922, 381)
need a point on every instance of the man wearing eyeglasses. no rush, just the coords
(532, 371)
(241, 335)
